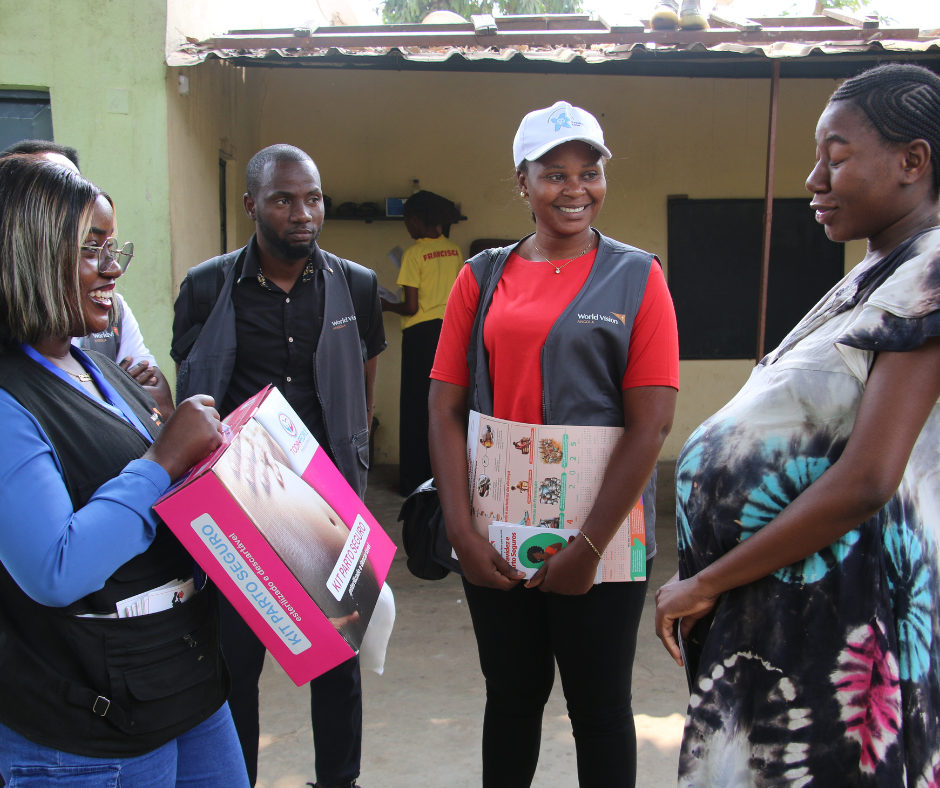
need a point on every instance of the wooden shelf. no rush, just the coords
(370, 219)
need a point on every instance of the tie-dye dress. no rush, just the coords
(827, 672)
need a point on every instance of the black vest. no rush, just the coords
(103, 687)
(339, 378)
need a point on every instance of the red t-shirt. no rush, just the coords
(528, 300)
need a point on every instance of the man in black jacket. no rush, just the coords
(288, 313)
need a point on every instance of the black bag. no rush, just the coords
(430, 553)
(421, 520)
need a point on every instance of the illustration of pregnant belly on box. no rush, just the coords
(328, 558)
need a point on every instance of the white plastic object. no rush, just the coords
(375, 641)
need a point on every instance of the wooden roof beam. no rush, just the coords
(395, 30)
(738, 23)
(622, 23)
(541, 17)
(484, 24)
(866, 23)
(344, 37)
(796, 21)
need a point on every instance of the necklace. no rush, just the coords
(81, 377)
(559, 267)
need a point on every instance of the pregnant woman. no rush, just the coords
(809, 506)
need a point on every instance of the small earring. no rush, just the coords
(523, 194)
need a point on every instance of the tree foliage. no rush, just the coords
(857, 7)
(843, 5)
(413, 11)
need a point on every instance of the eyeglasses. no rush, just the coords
(108, 253)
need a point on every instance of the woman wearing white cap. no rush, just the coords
(565, 327)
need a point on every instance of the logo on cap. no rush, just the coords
(563, 119)
(287, 424)
(560, 119)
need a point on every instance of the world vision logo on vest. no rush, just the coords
(595, 318)
(104, 336)
(343, 321)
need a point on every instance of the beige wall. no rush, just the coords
(218, 119)
(372, 132)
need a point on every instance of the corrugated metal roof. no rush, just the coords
(573, 42)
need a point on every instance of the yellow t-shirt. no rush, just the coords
(431, 265)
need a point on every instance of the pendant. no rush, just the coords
(84, 377)
(557, 270)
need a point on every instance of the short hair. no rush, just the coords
(431, 208)
(273, 153)
(45, 214)
(902, 103)
(34, 147)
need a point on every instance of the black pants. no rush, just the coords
(418, 346)
(335, 704)
(520, 635)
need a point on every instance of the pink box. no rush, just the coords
(282, 534)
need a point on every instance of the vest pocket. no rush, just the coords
(162, 678)
(167, 677)
(361, 443)
(161, 669)
(201, 375)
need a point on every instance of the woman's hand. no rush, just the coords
(482, 564)
(570, 571)
(161, 394)
(154, 381)
(407, 307)
(142, 372)
(683, 599)
(191, 434)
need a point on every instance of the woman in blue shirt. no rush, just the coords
(90, 697)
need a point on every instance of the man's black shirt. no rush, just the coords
(277, 335)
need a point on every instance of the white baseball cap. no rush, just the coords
(544, 129)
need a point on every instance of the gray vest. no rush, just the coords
(339, 377)
(585, 355)
(108, 342)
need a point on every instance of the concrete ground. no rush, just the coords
(423, 718)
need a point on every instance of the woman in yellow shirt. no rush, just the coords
(428, 271)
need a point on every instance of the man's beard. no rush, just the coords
(283, 247)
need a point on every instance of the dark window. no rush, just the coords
(714, 272)
(24, 115)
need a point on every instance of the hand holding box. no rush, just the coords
(278, 529)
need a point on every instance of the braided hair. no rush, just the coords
(902, 102)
